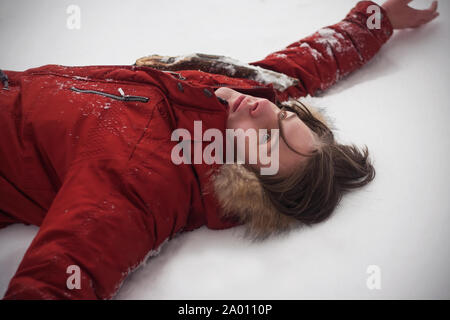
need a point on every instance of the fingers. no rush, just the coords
(425, 16)
(433, 16)
(430, 11)
(433, 6)
(423, 21)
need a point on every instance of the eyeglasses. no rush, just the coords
(283, 115)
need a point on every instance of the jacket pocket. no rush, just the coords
(122, 97)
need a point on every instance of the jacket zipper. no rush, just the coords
(122, 97)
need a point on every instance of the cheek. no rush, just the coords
(265, 115)
(265, 109)
(243, 149)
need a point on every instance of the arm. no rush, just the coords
(320, 60)
(97, 222)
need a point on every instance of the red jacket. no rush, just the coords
(94, 171)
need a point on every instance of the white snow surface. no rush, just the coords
(398, 105)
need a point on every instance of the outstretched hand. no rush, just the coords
(403, 16)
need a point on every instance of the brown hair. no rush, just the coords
(312, 191)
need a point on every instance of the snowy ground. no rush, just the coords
(398, 105)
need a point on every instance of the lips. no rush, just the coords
(238, 102)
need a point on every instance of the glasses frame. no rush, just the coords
(283, 115)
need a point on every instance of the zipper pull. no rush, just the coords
(121, 92)
(4, 79)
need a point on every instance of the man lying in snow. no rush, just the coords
(86, 152)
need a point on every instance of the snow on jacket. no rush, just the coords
(85, 154)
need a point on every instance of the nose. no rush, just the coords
(253, 105)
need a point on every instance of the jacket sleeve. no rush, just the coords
(98, 224)
(320, 60)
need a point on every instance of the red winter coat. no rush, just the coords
(94, 172)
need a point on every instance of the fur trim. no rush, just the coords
(241, 195)
(219, 65)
